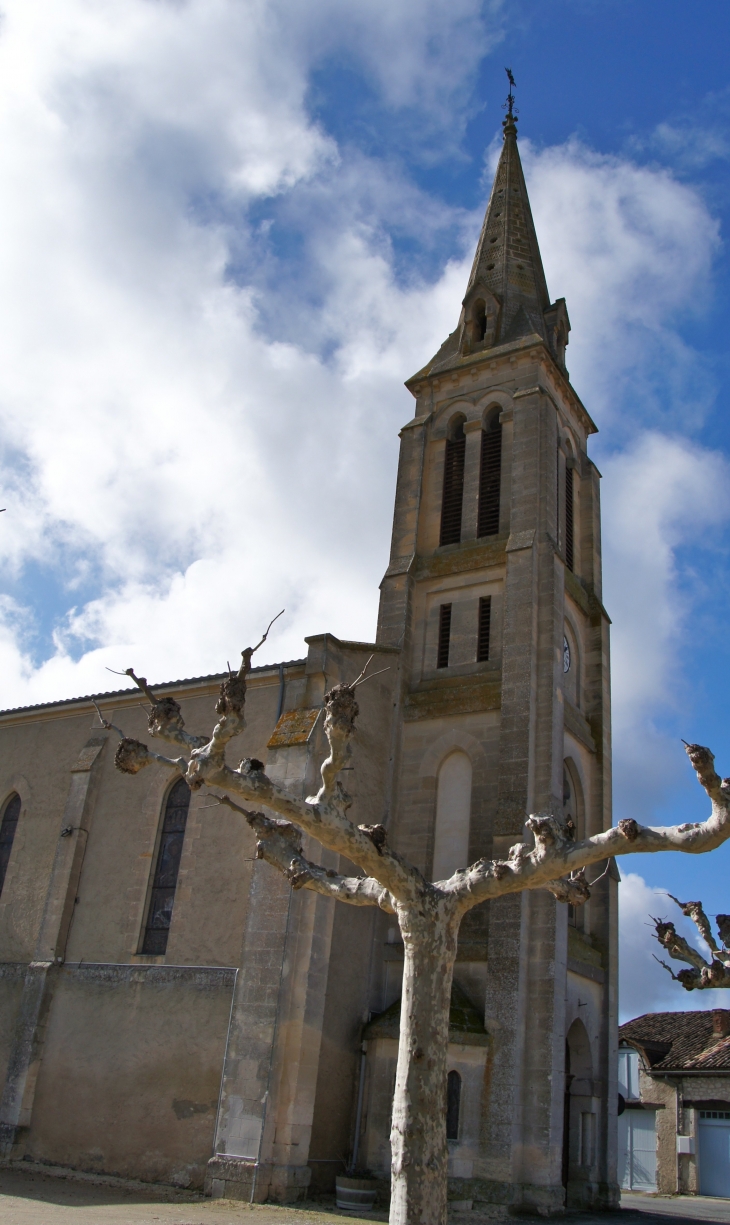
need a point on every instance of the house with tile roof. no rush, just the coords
(674, 1103)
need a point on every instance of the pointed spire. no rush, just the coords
(507, 295)
(507, 262)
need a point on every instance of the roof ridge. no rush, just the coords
(115, 693)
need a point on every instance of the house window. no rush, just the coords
(167, 867)
(628, 1073)
(490, 477)
(7, 834)
(485, 617)
(453, 485)
(442, 655)
(453, 1104)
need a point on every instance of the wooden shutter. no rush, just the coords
(442, 658)
(453, 496)
(485, 617)
(490, 481)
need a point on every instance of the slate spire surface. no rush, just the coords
(507, 296)
(507, 261)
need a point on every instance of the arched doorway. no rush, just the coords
(579, 1119)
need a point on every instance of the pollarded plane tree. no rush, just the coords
(703, 973)
(428, 913)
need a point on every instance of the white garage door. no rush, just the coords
(715, 1152)
(637, 1150)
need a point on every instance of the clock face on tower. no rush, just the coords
(566, 655)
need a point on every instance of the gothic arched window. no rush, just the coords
(164, 883)
(8, 827)
(453, 495)
(453, 816)
(453, 1105)
(490, 478)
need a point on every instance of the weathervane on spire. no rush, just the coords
(510, 103)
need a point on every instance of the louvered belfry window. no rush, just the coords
(485, 617)
(569, 523)
(442, 656)
(8, 827)
(490, 480)
(167, 867)
(453, 486)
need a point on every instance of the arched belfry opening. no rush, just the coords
(453, 488)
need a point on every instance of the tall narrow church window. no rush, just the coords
(167, 867)
(453, 1104)
(442, 655)
(453, 486)
(453, 816)
(569, 520)
(485, 617)
(490, 476)
(8, 827)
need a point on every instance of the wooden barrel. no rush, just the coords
(356, 1194)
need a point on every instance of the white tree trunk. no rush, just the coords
(418, 1132)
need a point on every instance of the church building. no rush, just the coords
(171, 1011)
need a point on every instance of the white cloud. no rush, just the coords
(644, 986)
(195, 471)
(631, 249)
(661, 493)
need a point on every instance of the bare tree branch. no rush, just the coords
(704, 974)
(555, 862)
(695, 912)
(165, 719)
(280, 844)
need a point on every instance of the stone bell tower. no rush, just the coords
(493, 597)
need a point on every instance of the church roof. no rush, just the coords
(160, 687)
(465, 1025)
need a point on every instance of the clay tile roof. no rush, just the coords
(678, 1041)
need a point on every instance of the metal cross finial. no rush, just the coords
(509, 104)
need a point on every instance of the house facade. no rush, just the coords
(674, 1082)
(154, 974)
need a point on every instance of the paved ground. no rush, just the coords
(31, 1197)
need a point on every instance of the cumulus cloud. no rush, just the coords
(644, 986)
(614, 235)
(179, 452)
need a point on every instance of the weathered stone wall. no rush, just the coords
(129, 1079)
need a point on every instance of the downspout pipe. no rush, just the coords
(358, 1113)
(282, 687)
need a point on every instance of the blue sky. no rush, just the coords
(231, 230)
